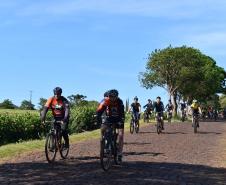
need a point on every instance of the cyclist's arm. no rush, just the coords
(139, 108)
(67, 110)
(122, 110)
(101, 108)
(45, 109)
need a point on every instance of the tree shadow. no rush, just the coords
(130, 173)
(147, 132)
(136, 143)
(202, 132)
(153, 154)
(174, 133)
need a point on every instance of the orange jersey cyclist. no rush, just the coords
(113, 108)
(60, 110)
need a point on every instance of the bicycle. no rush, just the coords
(159, 124)
(55, 142)
(183, 115)
(146, 116)
(134, 123)
(169, 115)
(195, 122)
(109, 147)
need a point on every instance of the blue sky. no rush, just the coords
(87, 47)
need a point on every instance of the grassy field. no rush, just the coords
(14, 111)
(12, 150)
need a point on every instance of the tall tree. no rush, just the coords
(27, 105)
(42, 102)
(77, 99)
(182, 71)
(7, 104)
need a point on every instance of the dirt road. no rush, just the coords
(178, 156)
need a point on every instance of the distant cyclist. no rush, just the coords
(195, 107)
(135, 108)
(60, 110)
(112, 106)
(169, 107)
(158, 107)
(183, 107)
(149, 107)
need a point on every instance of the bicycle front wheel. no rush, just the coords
(137, 126)
(50, 147)
(105, 154)
(159, 129)
(131, 127)
(195, 126)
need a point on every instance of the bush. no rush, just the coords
(19, 126)
(82, 119)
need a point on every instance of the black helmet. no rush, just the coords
(106, 94)
(149, 99)
(158, 97)
(113, 93)
(57, 90)
(135, 98)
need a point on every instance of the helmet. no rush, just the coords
(135, 98)
(169, 100)
(149, 100)
(113, 93)
(158, 97)
(106, 94)
(194, 101)
(57, 90)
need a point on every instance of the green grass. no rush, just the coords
(14, 111)
(12, 150)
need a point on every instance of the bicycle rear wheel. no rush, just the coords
(131, 127)
(195, 125)
(50, 147)
(159, 128)
(63, 150)
(105, 154)
(137, 126)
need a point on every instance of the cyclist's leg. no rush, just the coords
(120, 128)
(64, 128)
(162, 120)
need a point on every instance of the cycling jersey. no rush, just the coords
(158, 107)
(195, 106)
(58, 106)
(169, 106)
(182, 106)
(114, 110)
(149, 106)
(135, 107)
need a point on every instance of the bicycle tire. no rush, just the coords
(50, 146)
(64, 151)
(105, 159)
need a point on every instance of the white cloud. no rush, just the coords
(161, 8)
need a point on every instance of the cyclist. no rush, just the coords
(158, 107)
(149, 107)
(135, 108)
(183, 107)
(169, 107)
(60, 110)
(113, 107)
(195, 108)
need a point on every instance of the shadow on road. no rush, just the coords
(136, 143)
(142, 153)
(130, 173)
(217, 133)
